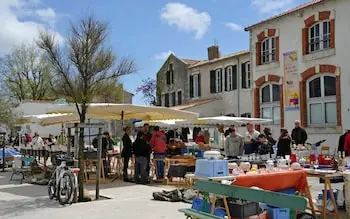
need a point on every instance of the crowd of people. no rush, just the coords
(254, 142)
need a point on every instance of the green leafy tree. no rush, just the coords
(26, 74)
(80, 70)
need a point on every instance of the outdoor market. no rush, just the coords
(236, 171)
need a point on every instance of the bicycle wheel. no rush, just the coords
(52, 187)
(65, 189)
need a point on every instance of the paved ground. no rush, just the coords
(127, 201)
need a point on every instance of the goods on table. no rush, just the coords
(214, 155)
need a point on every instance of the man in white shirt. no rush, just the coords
(250, 138)
(37, 140)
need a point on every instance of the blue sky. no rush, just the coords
(146, 30)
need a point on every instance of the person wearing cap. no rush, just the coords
(299, 135)
(234, 144)
(251, 136)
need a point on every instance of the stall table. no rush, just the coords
(180, 160)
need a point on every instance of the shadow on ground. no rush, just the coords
(13, 208)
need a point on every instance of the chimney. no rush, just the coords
(213, 52)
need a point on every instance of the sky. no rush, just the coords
(145, 30)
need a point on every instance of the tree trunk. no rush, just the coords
(81, 155)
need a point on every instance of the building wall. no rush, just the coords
(215, 108)
(236, 102)
(289, 30)
(180, 79)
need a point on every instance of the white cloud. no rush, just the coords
(163, 55)
(14, 29)
(272, 6)
(47, 15)
(234, 27)
(186, 18)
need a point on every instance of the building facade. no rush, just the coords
(220, 85)
(226, 79)
(172, 83)
(300, 69)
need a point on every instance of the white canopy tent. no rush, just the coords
(222, 120)
(160, 123)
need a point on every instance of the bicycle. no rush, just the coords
(63, 183)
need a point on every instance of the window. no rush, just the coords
(231, 78)
(268, 50)
(246, 75)
(170, 75)
(270, 103)
(321, 99)
(195, 85)
(173, 99)
(166, 100)
(179, 97)
(218, 80)
(320, 36)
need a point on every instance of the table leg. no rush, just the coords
(309, 197)
(324, 207)
(227, 208)
(213, 204)
(332, 198)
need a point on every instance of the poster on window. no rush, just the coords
(291, 81)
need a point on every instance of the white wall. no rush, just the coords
(238, 101)
(289, 30)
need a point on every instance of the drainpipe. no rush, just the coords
(238, 87)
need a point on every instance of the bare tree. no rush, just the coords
(148, 90)
(82, 68)
(26, 74)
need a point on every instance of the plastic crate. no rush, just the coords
(278, 213)
(211, 168)
(220, 212)
(243, 210)
(201, 205)
(290, 191)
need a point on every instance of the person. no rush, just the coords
(127, 151)
(262, 145)
(229, 131)
(141, 150)
(146, 135)
(200, 138)
(299, 135)
(347, 143)
(250, 138)
(107, 144)
(341, 142)
(27, 138)
(234, 144)
(268, 134)
(37, 140)
(283, 145)
(158, 144)
(51, 140)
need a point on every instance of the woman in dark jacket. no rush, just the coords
(283, 145)
(127, 151)
(269, 138)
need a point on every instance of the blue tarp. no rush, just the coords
(8, 153)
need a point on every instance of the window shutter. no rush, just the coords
(173, 97)
(234, 77)
(305, 40)
(258, 53)
(244, 76)
(191, 86)
(166, 100)
(199, 85)
(332, 28)
(212, 82)
(168, 77)
(277, 39)
(226, 79)
(220, 80)
(172, 76)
